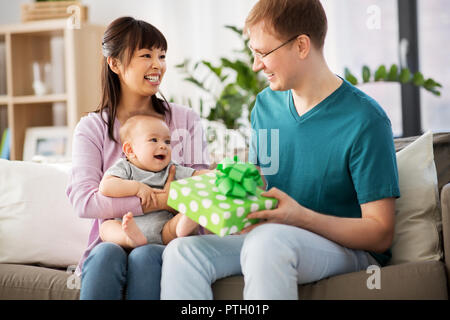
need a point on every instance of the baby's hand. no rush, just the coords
(147, 194)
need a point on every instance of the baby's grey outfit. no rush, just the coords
(151, 223)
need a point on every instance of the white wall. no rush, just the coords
(194, 29)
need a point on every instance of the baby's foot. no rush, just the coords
(185, 226)
(135, 237)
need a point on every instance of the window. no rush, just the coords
(365, 32)
(434, 52)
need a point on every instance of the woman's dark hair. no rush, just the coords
(121, 39)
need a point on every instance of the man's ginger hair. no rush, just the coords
(288, 18)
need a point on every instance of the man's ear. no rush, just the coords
(114, 64)
(303, 43)
(128, 150)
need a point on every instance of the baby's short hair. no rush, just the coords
(129, 124)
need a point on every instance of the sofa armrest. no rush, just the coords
(445, 207)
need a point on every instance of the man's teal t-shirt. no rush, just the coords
(337, 156)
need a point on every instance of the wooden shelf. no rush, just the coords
(4, 99)
(35, 26)
(77, 60)
(50, 98)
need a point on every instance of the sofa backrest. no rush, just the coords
(441, 150)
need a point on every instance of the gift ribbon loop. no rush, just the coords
(235, 178)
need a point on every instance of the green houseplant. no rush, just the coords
(231, 84)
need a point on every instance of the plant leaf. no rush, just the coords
(350, 77)
(381, 73)
(405, 75)
(181, 65)
(235, 29)
(366, 74)
(418, 79)
(393, 73)
(429, 84)
(216, 70)
(196, 83)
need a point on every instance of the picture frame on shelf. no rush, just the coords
(47, 144)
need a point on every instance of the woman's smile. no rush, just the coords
(153, 78)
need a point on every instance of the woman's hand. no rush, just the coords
(147, 194)
(288, 211)
(162, 196)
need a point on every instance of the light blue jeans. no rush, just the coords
(108, 270)
(273, 258)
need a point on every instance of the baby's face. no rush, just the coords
(150, 140)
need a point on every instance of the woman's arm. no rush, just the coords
(88, 152)
(374, 231)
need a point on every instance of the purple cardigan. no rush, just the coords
(93, 152)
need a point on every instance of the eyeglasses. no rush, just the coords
(260, 55)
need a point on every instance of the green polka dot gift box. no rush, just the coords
(216, 201)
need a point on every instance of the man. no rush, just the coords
(336, 181)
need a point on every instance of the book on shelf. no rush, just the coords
(5, 146)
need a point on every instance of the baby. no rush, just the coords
(146, 144)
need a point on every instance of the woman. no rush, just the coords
(133, 68)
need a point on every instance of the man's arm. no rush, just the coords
(87, 172)
(374, 231)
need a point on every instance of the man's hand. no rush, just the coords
(288, 211)
(374, 231)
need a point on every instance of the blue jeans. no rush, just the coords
(273, 258)
(108, 270)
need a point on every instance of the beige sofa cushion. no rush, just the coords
(37, 222)
(21, 282)
(418, 221)
(418, 280)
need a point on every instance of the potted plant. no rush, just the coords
(395, 74)
(231, 85)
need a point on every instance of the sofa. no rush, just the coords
(419, 269)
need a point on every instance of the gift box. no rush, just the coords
(221, 200)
